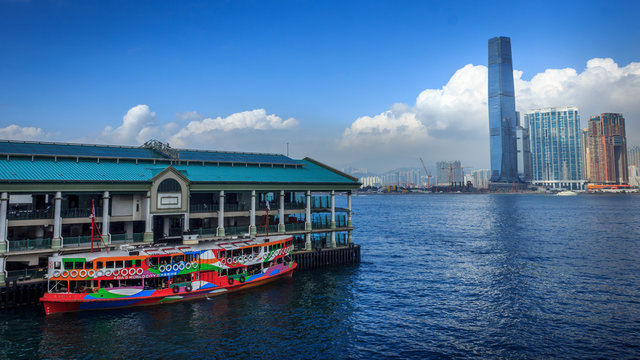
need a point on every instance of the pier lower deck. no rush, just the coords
(21, 294)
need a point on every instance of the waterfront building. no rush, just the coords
(502, 114)
(633, 157)
(556, 147)
(156, 193)
(523, 148)
(608, 149)
(449, 172)
(586, 165)
(371, 181)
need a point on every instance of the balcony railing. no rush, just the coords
(75, 241)
(30, 214)
(263, 229)
(206, 231)
(236, 230)
(127, 238)
(294, 227)
(29, 244)
(204, 208)
(79, 212)
(275, 205)
(26, 274)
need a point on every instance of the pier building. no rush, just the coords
(155, 193)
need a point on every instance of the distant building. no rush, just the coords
(523, 147)
(608, 149)
(480, 178)
(502, 114)
(633, 157)
(586, 166)
(371, 181)
(449, 172)
(556, 147)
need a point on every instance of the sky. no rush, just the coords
(362, 84)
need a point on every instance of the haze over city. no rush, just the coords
(356, 84)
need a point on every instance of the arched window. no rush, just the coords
(169, 185)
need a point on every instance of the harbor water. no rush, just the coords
(442, 276)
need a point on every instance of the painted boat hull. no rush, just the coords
(124, 298)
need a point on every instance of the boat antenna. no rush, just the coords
(94, 227)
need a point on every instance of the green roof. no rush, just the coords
(27, 170)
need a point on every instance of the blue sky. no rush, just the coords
(70, 69)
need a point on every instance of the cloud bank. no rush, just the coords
(452, 122)
(16, 132)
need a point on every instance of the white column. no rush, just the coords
(307, 223)
(4, 200)
(307, 242)
(252, 216)
(333, 239)
(56, 242)
(333, 209)
(148, 224)
(221, 214)
(349, 223)
(2, 271)
(166, 226)
(185, 225)
(281, 227)
(106, 233)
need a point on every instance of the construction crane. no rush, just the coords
(428, 174)
(451, 167)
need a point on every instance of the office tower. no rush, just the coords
(633, 157)
(556, 148)
(586, 165)
(523, 148)
(502, 114)
(608, 149)
(449, 172)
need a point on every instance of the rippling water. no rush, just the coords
(443, 276)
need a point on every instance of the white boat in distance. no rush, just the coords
(567, 193)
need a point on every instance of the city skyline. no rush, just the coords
(345, 87)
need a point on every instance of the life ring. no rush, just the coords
(116, 272)
(176, 267)
(230, 281)
(139, 271)
(187, 266)
(74, 273)
(92, 273)
(188, 288)
(235, 260)
(107, 273)
(241, 279)
(181, 266)
(65, 273)
(223, 260)
(56, 273)
(194, 265)
(161, 268)
(99, 273)
(176, 289)
(132, 271)
(83, 273)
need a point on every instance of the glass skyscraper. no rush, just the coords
(556, 147)
(502, 113)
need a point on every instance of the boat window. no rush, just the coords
(120, 263)
(78, 265)
(178, 258)
(128, 263)
(88, 265)
(110, 264)
(136, 263)
(99, 265)
(56, 265)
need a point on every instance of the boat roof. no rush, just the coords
(163, 249)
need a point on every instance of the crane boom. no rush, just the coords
(427, 173)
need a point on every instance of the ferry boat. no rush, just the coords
(160, 274)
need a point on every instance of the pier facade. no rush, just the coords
(154, 193)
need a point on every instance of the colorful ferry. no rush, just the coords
(158, 274)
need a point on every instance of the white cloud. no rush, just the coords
(202, 131)
(452, 122)
(16, 132)
(138, 125)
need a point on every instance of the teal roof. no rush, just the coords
(70, 170)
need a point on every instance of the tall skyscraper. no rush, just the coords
(523, 148)
(502, 114)
(556, 148)
(633, 157)
(449, 172)
(608, 149)
(586, 166)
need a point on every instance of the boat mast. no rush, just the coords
(94, 226)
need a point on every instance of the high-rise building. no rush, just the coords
(502, 114)
(608, 149)
(480, 178)
(449, 172)
(523, 148)
(556, 147)
(633, 157)
(586, 166)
